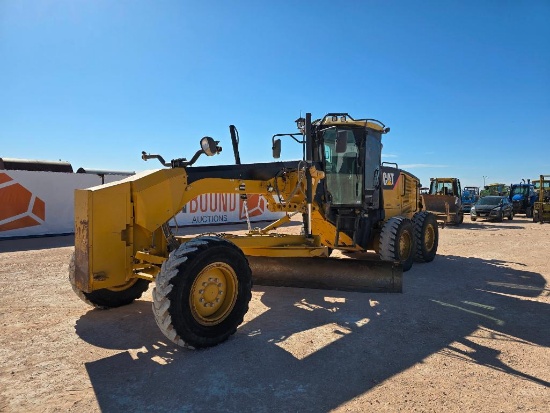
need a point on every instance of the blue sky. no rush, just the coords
(464, 85)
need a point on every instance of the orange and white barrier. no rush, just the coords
(41, 203)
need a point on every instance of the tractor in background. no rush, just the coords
(470, 195)
(495, 189)
(541, 208)
(523, 197)
(444, 200)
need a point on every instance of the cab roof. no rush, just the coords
(344, 119)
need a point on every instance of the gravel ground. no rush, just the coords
(470, 332)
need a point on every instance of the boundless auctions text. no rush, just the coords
(209, 219)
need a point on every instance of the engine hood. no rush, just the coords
(485, 207)
(518, 197)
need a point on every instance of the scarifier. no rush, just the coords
(349, 201)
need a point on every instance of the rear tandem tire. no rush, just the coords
(397, 242)
(109, 297)
(426, 235)
(202, 292)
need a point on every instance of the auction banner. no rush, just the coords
(211, 209)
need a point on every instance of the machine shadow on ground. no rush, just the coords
(484, 225)
(313, 350)
(36, 243)
(491, 224)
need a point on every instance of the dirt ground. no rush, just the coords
(469, 333)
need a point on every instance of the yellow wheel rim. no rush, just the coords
(123, 287)
(213, 294)
(405, 246)
(429, 238)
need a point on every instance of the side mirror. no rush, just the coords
(342, 142)
(276, 148)
(209, 146)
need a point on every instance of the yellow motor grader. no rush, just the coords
(349, 201)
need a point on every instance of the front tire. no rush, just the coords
(202, 292)
(109, 297)
(397, 242)
(426, 235)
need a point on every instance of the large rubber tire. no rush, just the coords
(202, 292)
(511, 216)
(109, 297)
(426, 235)
(397, 242)
(459, 218)
(529, 213)
(500, 216)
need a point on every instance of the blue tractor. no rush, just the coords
(470, 195)
(523, 197)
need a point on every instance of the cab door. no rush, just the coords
(343, 175)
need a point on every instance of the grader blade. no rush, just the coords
(328, 274)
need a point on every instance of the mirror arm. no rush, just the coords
(276, 143)
(145, 156)
(195, 157)
(174, 163)
(211, 146)
(292, 135)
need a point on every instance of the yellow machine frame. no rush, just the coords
(126, 219)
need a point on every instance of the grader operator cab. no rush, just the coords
(348, 199)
